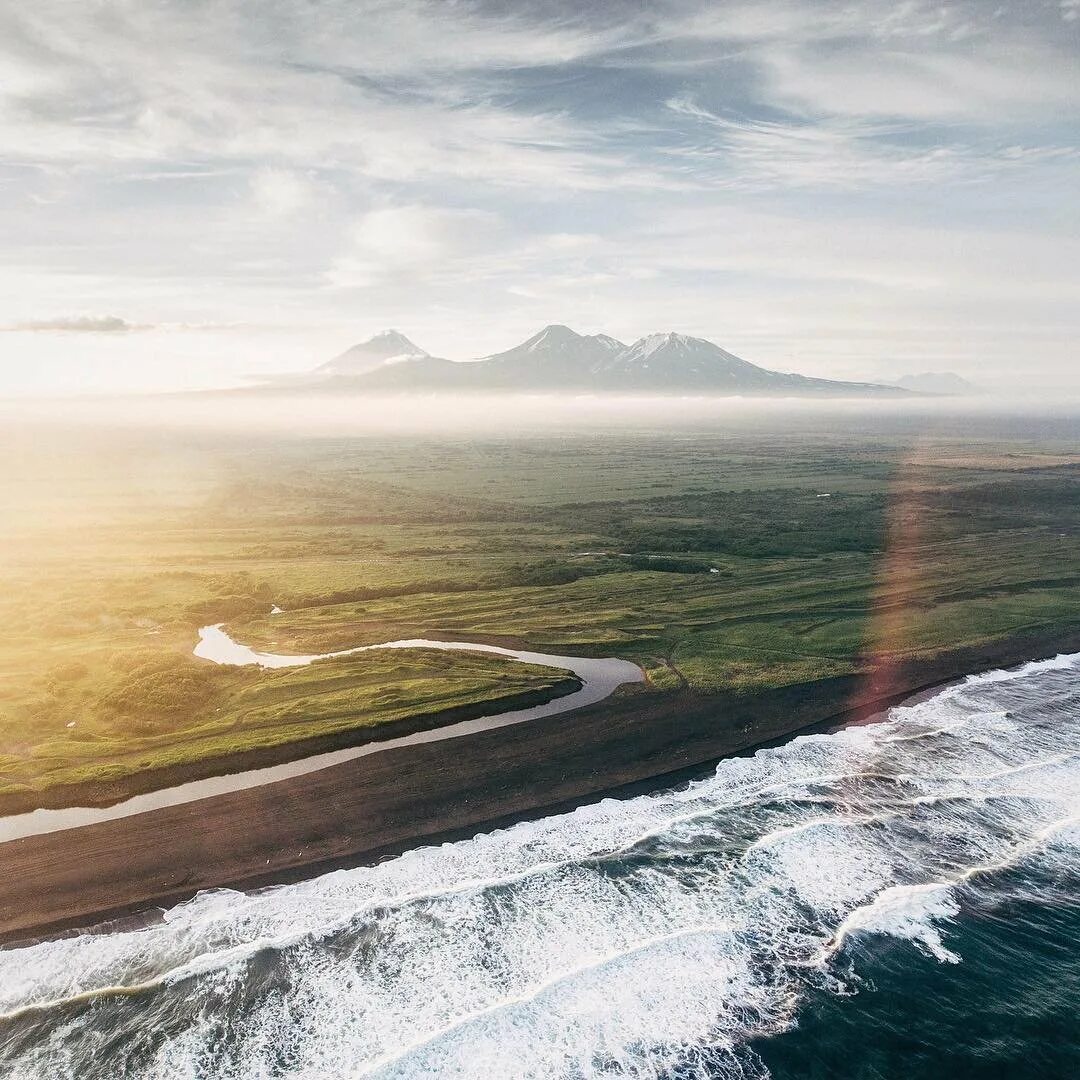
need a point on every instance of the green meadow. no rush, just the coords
(718, 562)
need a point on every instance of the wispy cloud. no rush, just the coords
(847, 152)
(406, 243)
(77, 324)
(988, 83)
(279, 192)
(390, 90)
(773, 167)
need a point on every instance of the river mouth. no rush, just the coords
(599, 678)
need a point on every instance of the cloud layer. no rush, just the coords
(841, 187)
(78, 324)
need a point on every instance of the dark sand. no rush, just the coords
(378, 805)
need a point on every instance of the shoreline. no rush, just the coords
(369, 809)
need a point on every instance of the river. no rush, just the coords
(600, 677)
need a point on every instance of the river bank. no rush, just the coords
(370, 807)
(102, 794)
(580, 681)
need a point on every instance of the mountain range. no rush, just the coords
(559, 359)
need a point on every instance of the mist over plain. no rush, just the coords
(310, 415)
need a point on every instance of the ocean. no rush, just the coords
(897, 899)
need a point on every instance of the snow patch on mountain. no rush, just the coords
(387, 347)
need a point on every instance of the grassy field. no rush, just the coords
(719, 562)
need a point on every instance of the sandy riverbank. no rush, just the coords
(369, 807)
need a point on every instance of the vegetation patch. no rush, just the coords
(828, 551)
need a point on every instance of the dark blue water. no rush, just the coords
(1009, 1008)
(895, 900)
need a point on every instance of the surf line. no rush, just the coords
(599, 677)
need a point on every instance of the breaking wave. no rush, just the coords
(657, 937)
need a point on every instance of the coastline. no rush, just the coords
(371, 808)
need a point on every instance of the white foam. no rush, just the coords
(906, 911)
(1061, 662)
(643, 937)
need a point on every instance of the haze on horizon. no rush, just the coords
(195, 194)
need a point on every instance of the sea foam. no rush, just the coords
(648, 937)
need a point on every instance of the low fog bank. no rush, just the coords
(307, 415)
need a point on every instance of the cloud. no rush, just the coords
(741, 169)
(988, 83)
(410, 242)
(845, 152)
(394, 92)
(415, 91)
(278, 192)
(79, 324)
(916, 59)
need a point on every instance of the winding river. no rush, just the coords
(599, 679)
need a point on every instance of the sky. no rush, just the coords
(198, 192)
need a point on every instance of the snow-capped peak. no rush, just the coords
(556, 335)
(611, 344)
(646, 346)
(393, 342)
(387, 347)
(682, 358)
(671, 344)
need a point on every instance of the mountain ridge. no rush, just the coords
(557, 358)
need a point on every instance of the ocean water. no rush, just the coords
(900, 899)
